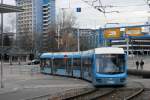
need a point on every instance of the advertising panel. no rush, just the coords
(134, 31)
(112, 33)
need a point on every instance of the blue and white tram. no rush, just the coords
(102, 66)
(109, 66)
(61, 63)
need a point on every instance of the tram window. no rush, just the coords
(59, 63)
(42, 63)
(76, 62)
(45, 63)
(110, 63)
(87, 63)
(69, 61)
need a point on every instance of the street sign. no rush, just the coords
(112, 33)
(136, 31)
(78, 9)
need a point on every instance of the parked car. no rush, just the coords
(34, 62)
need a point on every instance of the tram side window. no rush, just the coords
(42, 63)
(77, 62)
(59, 63)
(69, 62)
(87, 64)
(45, 63)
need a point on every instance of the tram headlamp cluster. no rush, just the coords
(99, 80)
(122, 79)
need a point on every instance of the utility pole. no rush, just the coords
(78, 31)
(78, 39)
(2, 85)
(127, 44)
(58, 45)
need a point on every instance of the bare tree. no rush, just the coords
(51, 43)
(25, 39)
(65, 31)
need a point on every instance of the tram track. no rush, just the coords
(122, 93)
(117, 93)
(107, 93)
(136, 93)
(101, 93)
(92, 94)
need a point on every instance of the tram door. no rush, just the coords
(68, 65)
(76, 67)
(59, 66)
(87, 67)
(46, 66)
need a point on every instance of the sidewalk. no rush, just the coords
(145, 73)
(132, 60)
(16, 73)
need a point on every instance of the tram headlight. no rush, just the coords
(122, 79)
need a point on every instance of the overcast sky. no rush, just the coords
(130, 11)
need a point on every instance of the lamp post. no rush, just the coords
(78, 39)
(78, 31)
(2, 85)
(127, 43)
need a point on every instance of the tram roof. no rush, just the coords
(61, 55)
(109, 50)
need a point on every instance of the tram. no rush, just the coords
(101, 66)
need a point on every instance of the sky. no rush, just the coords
(130, 12)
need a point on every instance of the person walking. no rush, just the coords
(142, 64)
(137, 64)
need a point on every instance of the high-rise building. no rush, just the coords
(33, 23)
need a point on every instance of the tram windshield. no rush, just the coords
(110, 63)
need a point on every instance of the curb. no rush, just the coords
(143, 73)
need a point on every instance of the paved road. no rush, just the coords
(25, 82)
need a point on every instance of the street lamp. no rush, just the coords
(78, 30)
(78, 39)
(2, 85)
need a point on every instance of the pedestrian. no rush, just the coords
(137, 64)
(142, 64)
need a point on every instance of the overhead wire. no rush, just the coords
(102, 8)
(100, 3)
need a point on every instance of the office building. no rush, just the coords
(34, 22)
